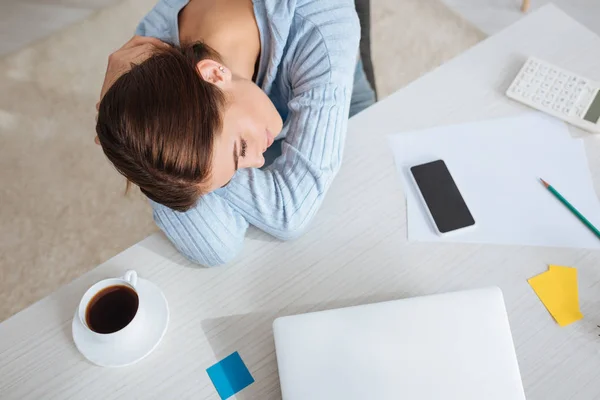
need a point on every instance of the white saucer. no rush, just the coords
(115, 355)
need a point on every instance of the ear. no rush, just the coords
(214, 72)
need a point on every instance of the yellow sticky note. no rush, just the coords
(568, 277)
(557, 289)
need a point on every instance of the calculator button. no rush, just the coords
(526, 95)
(546, 85)
(565, 93)
(562, 99)
(566, 110)
(556, 106)
(544, 69)
(581, 82)
(550, 96)
(560, 82)
(552, 73)
(570, 85)
(518, 90)
(546, 103)
(555, 89)
(537, 99)
(562, 76)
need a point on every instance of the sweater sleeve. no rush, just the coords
(210, 234)
(283, 198)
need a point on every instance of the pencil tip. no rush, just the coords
(544, 182)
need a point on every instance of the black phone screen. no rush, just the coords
(442, 197)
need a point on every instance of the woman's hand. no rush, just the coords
(135, 51)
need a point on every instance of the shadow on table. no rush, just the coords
(162, 247)
(252, 336)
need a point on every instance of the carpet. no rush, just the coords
(62, 205)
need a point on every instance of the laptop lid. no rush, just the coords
(447, 346)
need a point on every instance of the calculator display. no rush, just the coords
(593, 114)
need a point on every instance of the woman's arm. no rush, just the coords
(283, 198)
(280, 200)
(210, 234)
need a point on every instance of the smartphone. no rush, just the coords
(444, 203)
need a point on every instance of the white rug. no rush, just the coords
(62, 208)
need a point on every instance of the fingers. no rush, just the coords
(141, 40)
(135, 51)
(122, 60)
(97, 141)
(137, 54)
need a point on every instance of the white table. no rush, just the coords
(356, 252)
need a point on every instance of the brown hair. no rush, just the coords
(157, 125)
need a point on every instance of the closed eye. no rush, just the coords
(244, 146)
(242, 152)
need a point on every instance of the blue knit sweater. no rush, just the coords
(308, 69)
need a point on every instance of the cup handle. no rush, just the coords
(131, 277)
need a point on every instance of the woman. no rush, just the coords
(190, 106)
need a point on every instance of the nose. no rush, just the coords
(258, 160)
(258, 149)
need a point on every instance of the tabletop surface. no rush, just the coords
(356, 252)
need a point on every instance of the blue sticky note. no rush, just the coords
(230, 375)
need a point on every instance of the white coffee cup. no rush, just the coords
(134, 329)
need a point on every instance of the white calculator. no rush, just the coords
(560, 93)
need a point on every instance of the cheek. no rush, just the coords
(264, 107)
(270, 108)
(222, 165)
(253, 112)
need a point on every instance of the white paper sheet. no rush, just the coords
(497, 165)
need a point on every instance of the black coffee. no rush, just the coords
(111, 309)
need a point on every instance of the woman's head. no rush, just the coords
(180, 123)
